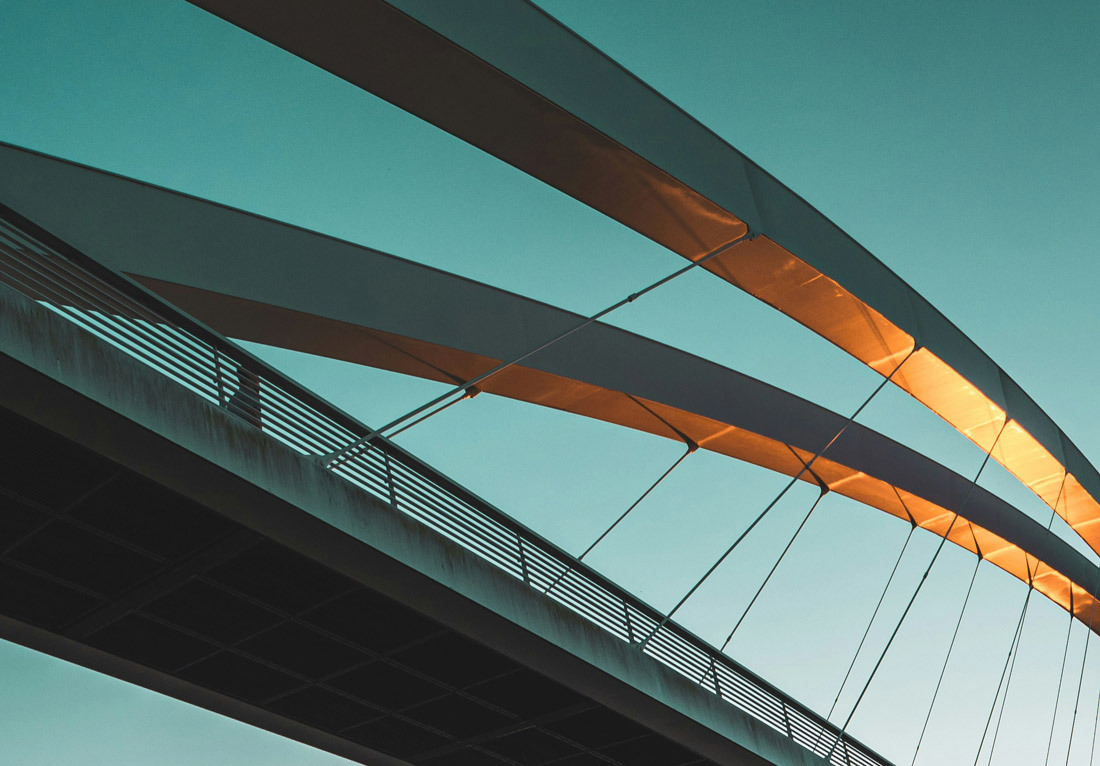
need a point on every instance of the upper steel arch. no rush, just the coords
(231, 269)
(544, 100)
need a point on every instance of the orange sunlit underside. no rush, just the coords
(289, 329)
(497, 112)
(771, 273)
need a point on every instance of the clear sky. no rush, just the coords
(956, 141)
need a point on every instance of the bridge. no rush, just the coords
(186, 517)
(162, 531)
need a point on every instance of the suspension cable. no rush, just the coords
(1061, 676)
(637, 502)
(1019, 642)
(867, 630)
(1011, 669)
(1095, 723)
(343, 453)
(920, 585)
(1069, 630)
(1080, 680)
(947, 659)
(469, 395)
(744, 614)
(805, 467)
(692, 446)
(1011, 649)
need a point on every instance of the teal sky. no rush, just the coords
(955, 141)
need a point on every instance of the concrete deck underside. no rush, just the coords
(187, 552)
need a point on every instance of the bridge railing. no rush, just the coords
(126, 315)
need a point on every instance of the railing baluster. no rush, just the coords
(389, 480)
(714, 672)
(179, 346)
(222, 399)
(629, 624)
(522, 559)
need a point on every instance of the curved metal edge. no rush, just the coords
(549, 103)
(229, 268)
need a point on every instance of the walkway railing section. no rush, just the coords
(124, 314)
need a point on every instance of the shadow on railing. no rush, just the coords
(132, 319)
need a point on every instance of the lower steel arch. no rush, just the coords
(862, 464)
(241, 274)
(559, 109)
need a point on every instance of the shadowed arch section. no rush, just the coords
(786, 432)
(242, 274)
(544, 100)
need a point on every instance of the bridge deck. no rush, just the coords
(101, 555)
(151, 534)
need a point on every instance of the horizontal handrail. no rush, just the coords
(130, 317)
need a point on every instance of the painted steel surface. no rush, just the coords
(228, 268)
(544, 100)
(133, 380)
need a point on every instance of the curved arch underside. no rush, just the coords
(544, 100)
(242, 274)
